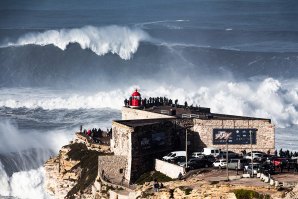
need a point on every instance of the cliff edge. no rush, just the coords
(73, 173)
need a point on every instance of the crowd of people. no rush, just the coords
(153, 101)
(159, 101)
(95, 134)
(286, 154)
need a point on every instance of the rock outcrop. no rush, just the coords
(73, 172)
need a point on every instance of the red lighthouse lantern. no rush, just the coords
(135, 99)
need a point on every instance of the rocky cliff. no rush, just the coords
(73, 173)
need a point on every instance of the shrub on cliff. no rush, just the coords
(249, 194)
(150, 176)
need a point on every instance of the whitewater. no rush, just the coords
(122, 41)
(62, 66)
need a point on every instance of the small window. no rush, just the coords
(212, 151)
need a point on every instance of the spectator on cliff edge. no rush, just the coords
(180, 176)
(155, 185)
(89, 132)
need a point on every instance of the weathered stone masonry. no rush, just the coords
(142, 139)
(265, 135)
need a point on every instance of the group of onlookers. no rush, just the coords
(95, 134)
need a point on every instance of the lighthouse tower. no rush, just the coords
(135, 99)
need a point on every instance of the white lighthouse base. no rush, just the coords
(134, 106)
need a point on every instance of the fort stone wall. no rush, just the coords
(121, 139)
(265, 135)
(202, 135)
(121, 145)
(132, 114)
(114, 168)
(142, 141)
(150, 142)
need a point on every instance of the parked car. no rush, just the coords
(231, 155)
(211, 151)
(197, 155)
(278, 161)
(173, 154)
(237, 163)
(249, 168)
(267, 168)
(220, 163)
(210, 158)
(255, 156)
(195, 163)
(256, 152)
(178, 159)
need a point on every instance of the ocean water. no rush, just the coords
(65, 64)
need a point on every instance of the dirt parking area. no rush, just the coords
(220, 176)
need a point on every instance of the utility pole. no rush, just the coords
(252, 160)
(186, 126)
(227, 159)
(186, 148)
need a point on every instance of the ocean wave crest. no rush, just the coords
(269, 98)
(120, 40)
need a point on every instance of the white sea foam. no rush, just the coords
(23, 184)
(120, 40)
(12, 140)
(28, 183)
(270, 98)
(4, 182)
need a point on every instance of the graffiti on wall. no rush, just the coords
(153, 140)
(234, 136)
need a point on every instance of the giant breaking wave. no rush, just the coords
(120, 40)
(269, 98)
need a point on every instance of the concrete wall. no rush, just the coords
(121, 139)
(150, 142)
(130, 114)
(265, 136)
(112, 165)
(168, 169)
(121, 144)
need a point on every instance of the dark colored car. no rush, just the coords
(177, 159)
(198, 163)
(210, 158)
(267, 168)
(231, 154)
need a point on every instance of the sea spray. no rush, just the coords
(269, 98)
(120, 40)
(4, 182)
(28, 184)
(23, 184)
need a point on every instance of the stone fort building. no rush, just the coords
(145, 134)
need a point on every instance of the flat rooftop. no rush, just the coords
(197, 112)
(142, 122)
(182, 113)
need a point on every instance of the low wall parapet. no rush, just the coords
(168, 169)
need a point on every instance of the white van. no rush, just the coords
(211, 151)
(197, 155)
(173, 154)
